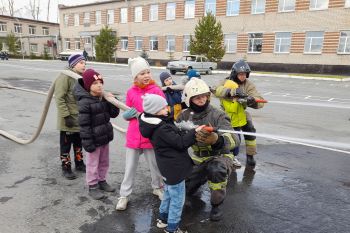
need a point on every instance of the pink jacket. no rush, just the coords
(134, 138)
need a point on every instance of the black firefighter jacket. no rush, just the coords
(94, 118)
(170, 146)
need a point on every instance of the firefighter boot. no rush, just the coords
(216, 213)
(67, 172)
(80, 166)
(251, 161)
(79, 162)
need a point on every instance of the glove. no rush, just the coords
(239, 92)
(206, 137)
(129, 114)
(69, 121)
(230, 92)
(250, 101)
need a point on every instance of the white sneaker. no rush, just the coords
(122, 203)
(158, 192)
(161, 224)
(236, 163)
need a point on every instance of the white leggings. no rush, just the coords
(131, 162)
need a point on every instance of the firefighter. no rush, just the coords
(211, 154)
(237, 93)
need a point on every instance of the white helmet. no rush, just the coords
(195, 87)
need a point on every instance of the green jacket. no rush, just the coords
(65, 101)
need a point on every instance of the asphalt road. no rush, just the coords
(294, 188)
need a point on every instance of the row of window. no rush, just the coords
(232, 9)
(19, 29)
(313, 42)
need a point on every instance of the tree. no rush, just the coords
(208, 38)
(11, 7)
(33, 8)
(106, 44)
(12, 43)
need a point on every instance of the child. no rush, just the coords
(173, 97)
(173, 160)
(67, 115)
(96, 130)
(135, 143)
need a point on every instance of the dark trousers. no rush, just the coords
(249, 128)
(66, 141)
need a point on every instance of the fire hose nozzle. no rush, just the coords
(210, 129)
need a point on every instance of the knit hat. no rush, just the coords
(137, 65)
(153, 103)
(193, 73)
(74, 59)
(163, 76)
(90, 76)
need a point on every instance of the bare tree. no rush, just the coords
(3, 10)
(34, 9)
(10, 8)
(48, 10)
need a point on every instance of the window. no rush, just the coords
(18, 28)
(186, 43)
(138, 14)
(87, 40)
(67, 44)
(318, 4)
(189, 9)
(47, 49)
(31, 30)
(170, 11)
(210, 6)
(77, 43)
(76, 19)
(98, 17)
(286, 5)
(33, 48)
(255, 42)
(258, 6)
(124, 43)
(230, 43)
(110, 16)
(138, 43)
(313, 42)
(65, 19)
(170, 43)
(87, 18)
(153, 43)
(123, 15)
(347, 3)
(153, 13)
(3, 27)
(46, 31)
(344, 42)
(232, 7)
(282, 42)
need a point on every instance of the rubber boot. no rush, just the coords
(251, 161)
(216, 213)
(67, 172)
(79, 162)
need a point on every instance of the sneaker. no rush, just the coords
(251, 161)
(68, 173)
(122, 203)
(95, 192)
(178, 230)
(161, 224)
(158, 192)
(236, 163)
(103, 185)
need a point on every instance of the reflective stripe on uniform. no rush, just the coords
(250, 142)
(200, 159)
(230, 139)
(217, 186)
(231, 156)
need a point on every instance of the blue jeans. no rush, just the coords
(170, 209)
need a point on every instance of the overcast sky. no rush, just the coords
(20, 7)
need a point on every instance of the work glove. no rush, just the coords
(69, 121)
(129, 114)
(206, 137)
(230, 92)
(250, 101)
(239, 93)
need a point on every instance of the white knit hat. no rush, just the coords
(137, 65)
(153, 103)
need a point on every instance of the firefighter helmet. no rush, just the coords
(193, 88)
(240, 66)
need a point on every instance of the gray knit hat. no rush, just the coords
(153, 103)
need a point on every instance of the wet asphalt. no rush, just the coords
(293, 188)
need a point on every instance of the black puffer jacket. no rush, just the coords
(170, 146)
(94, 118)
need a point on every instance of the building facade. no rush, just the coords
(276, 35)
(35, 36)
